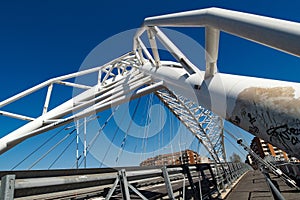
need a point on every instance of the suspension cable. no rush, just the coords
(39, 147)
(66, 127)
(78, 126)
(137, 139)
(126, 134)
(232, 126)
(59, 156)
(146, 130)
(235, 146)
(93, 140)
(115, 133)
(230, 133)
(51, 149)
(162, 135)
(159, 134)
(234, 137)
(171, 136)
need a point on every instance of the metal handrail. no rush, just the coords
(39, 182)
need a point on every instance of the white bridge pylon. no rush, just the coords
(199, 99)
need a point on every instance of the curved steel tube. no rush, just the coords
(275, 33)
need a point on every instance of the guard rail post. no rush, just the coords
(7, 187)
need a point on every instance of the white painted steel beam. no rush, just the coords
(212, 36)
(80, 86)
(178, 55)
(275, 33)
(53, 80)
(16, 116)
(151, 37)
(47, 100)
(143, 47)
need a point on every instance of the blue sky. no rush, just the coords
(44, 39)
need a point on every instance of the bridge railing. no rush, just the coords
(228, 173)
(290, 169)
(183, 181)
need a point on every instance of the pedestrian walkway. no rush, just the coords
(252, 185)
(289, 193)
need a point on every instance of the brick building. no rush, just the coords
(264, 149)
(177, 158)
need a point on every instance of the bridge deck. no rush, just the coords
(287, 192)
(253, 185)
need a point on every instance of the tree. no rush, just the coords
(235, 158)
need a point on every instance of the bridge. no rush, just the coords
(199, 99)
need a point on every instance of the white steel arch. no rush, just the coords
(120, 80)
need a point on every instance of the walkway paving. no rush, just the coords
(253, 185)
(287, 192)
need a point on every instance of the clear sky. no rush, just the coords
(44, 39)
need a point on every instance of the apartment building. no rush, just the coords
(177, 158)
(264, 149)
